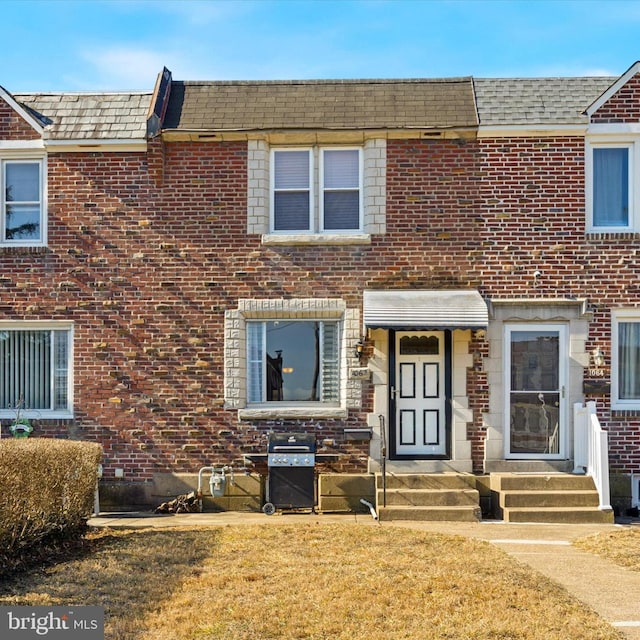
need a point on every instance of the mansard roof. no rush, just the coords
(537, 101)
(321, 104)
(89, 116)
(332, 105)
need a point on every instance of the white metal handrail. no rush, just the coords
(591, 450)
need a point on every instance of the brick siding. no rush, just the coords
(623, 106)
(147, 251)
(13, 126)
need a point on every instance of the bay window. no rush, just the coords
(35, 370)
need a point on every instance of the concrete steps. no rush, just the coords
(425, 497)
(548, 498)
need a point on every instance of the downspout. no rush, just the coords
(371, 508)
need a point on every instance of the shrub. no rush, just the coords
(47, 489)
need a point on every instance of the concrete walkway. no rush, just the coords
(609, 590)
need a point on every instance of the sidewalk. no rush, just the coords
(611, 591)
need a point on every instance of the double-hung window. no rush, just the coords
(293, 361)
(625, 359)
(316, 190)
(35, 369)
(612, 191)
(22, 220)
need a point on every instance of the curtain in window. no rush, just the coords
(61, 370)
(629, 360)
(291, 190)
(330, 362)
(341, 182)
(25, 369)
(255, 357)
(611, 187)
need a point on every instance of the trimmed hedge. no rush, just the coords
(47, 490)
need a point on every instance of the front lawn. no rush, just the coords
(299, 581)
(621, 546)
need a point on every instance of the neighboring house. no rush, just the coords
(454, 261)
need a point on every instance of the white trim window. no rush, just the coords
(22, 202)
(625, 359)
(35, 369)
(293, 361)
(333, 173)
(612, 190)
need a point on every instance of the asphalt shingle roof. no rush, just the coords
(321, 104)
(83, 116)
(544, 101)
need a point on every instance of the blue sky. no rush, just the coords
(87, 45)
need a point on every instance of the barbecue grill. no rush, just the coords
(291, 459)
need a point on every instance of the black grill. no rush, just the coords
(291, 458)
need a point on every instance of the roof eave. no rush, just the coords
(96, 144)
(346, 134)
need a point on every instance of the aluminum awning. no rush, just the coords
(424, 309)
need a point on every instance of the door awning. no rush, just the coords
(424, 309)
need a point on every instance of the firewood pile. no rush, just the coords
(186, 503)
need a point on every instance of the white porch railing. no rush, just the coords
(591, 450)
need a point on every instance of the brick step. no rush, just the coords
(576, 515)
(426, 481)
(429, 497)
(468, 513)
(540, 499)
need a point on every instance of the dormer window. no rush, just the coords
(22, 219)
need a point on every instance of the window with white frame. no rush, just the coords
(35, 369)
(316, 190)
(612, 189)
(625, 359)
(293, 361)
(22, 221)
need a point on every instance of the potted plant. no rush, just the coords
(20, 428)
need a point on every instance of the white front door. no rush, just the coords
(420, 394)
(535, 368)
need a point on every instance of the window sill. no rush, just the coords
(625, 412)
(316, 238)
(24, 248)
(594, 234)
(291, 413)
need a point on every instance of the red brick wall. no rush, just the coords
(624, 106)
(146, 273)
(13, 126)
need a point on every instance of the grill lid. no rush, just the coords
(291, 443)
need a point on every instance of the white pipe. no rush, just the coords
(371, 508)
(200, 478)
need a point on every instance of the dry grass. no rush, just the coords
(308, 582)
(621, 547)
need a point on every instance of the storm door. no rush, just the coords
(420, 395)
(535, 367)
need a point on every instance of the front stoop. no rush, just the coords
(424, 497)
(551, 498)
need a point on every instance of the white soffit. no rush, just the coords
(424, 309)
